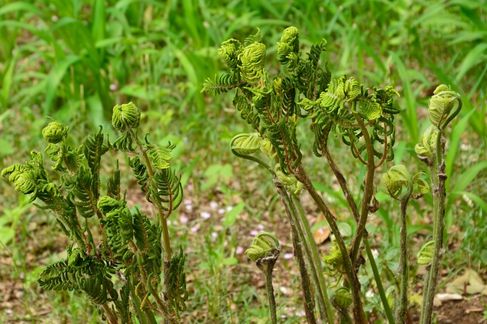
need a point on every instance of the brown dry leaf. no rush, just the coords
(321, 235)
(470, 282)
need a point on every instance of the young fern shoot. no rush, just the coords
(443, 107)
(400, 185)
(264, 251)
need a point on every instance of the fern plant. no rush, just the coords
(118, 256)
(362, 118)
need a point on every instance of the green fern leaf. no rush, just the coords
(167, 187)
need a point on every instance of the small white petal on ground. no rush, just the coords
(205, 215)
(288, 256)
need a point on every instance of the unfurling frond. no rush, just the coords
(396, 181)
(264, 245)
(178, 293)
(288, 45)
(167, 187)
(246, 144)
(444, 105)
(426, 148)
(229, 51)
(93, 149)
(221, 83)
(54, 132)
(140, 172)
(80, 273)
(85, 199)
(161, 156)
(125, 143)
(400, 184)
(125, 117)
(252, 60)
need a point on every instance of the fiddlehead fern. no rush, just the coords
(125, 117)
(168, 189)
(54, 132)
(251, 60)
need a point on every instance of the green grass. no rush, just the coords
(73, 60)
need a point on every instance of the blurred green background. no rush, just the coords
(72, 60)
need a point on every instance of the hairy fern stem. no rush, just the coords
(401, 311)
(314, 256)
(438, 172)
(353, 208)
(358, 311)
(298, 243)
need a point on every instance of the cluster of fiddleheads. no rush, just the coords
(274, 103)
(117, 255)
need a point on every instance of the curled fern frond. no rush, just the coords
(167, 186)
(229, 51)
(125, 117)
(161, 156)
(443, 106)
(221, 83)
(426, 148)
(140, 172)
(334, 260)
(79, 273)
(54, 132)
(125, 143)
(246, 143)
(288, 45)
(252, 59)
(82, 190)
(290, 182)
(396, 181)
(264, 245)
(246, 109)
(177, 293)
(21, 176)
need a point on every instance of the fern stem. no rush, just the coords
(136, 301)
(267, 267)
(378, 281)
(439, 195)
(402, 308)
(353, 207)
(270, 296)
(111, 317)
(298, 241)
(163, 221)
(314, 256)
(358, 311)
(367, 195)
(166, 241)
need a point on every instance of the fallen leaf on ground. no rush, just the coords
(321, 235)
(470, 282)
